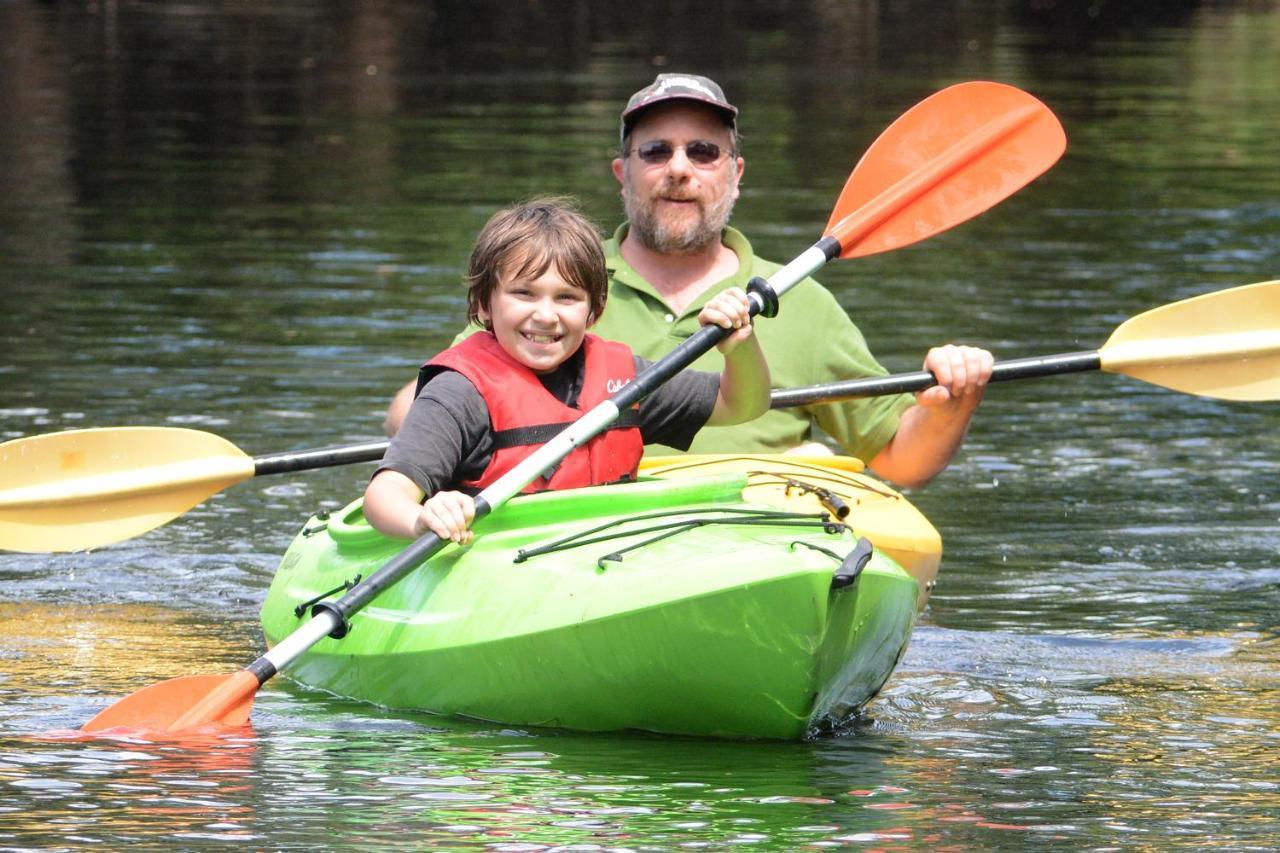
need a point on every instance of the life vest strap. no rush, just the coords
(542, 433)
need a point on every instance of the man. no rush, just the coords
(679, 172)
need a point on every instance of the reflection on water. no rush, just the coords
(982, 735)
(112, 793)
(73, 659)
(253, 220)
(1123, 738)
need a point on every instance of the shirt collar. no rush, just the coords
(622, 272)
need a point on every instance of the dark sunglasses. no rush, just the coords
(659, 151)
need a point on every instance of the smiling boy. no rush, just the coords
(536, 283)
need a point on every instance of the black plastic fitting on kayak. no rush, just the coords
(830, 501)
(343, 587)
(854, 562)
(833, 504)
(768, 296)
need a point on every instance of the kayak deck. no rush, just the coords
(673, 604)
(876, 511)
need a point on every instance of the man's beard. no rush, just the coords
(667, 237)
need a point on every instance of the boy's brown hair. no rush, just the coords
(527, 239)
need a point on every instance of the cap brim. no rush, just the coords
(631, 116)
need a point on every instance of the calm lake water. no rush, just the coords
(252, 218)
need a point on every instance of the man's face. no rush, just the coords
(679, 203)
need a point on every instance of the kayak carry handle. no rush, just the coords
(854, 562)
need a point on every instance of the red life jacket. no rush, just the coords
(524, 415)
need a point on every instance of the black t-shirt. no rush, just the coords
(446, 437)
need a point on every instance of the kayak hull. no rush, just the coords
(694, 612)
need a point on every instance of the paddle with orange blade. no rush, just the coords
(957, 137)
(947, 159)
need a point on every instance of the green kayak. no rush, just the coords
(715, 597)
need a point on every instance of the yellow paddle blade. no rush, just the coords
(69, 491)
(1224, 344)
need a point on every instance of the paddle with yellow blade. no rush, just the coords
(68, 491)
(85, 488)
(971, 146)
(1224, 344)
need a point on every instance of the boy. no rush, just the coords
(536, 282)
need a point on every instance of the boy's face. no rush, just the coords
(539, 322)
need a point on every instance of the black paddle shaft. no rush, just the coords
(781, 398)
(907, 383)
(326, 457)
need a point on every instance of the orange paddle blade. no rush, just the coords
(179, 704)
(947, 159)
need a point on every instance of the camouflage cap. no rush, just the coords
(671, 87)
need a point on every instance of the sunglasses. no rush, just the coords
(658, 151)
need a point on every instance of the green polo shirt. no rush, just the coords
(811, 341)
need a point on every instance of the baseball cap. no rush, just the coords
(671, 87)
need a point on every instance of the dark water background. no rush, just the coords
(252, 218)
